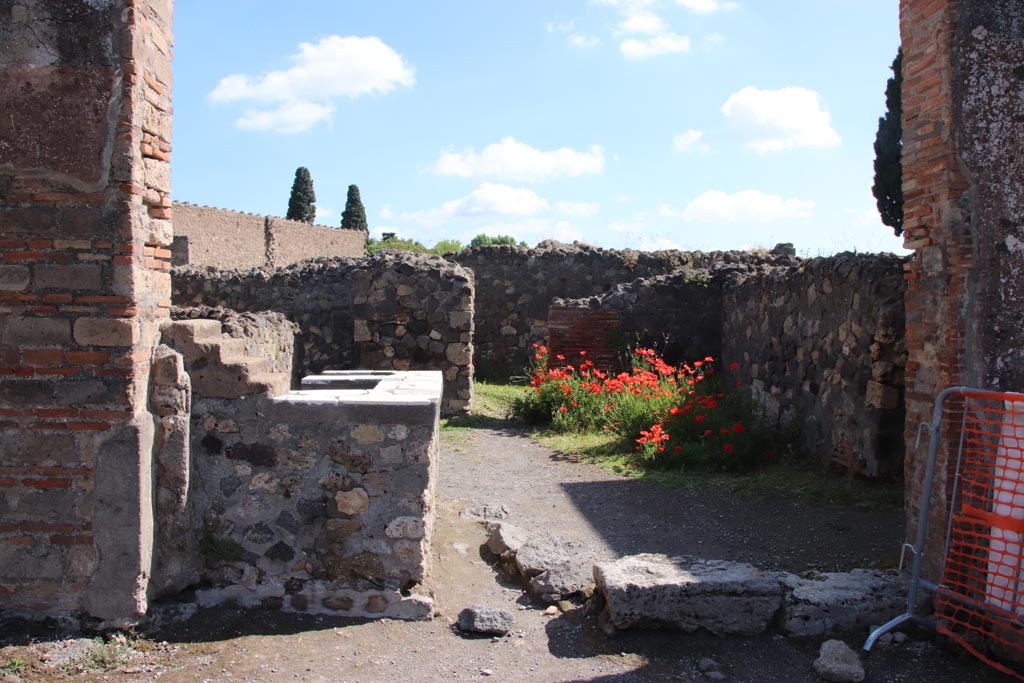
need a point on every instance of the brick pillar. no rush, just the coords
(935, 228)
(964, 214)
(84, 285)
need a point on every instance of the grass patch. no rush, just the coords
(494, 400)
(13, 666)
(107, 655)
(787, 478)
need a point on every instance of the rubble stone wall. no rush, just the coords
(819, 343)
(387, 312)
(318, 508)
(515, 286)
(822, 348)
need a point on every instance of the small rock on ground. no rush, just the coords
(505, 538)
(485, 512)
(488, 620)
(837, 663)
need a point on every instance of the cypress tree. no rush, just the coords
(354, 217)
(888, 187)
(301, 204)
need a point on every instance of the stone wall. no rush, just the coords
(314, 506)
(390, 311)
(821, 347)
(220, 238)
(515, 286)
(84, 286)
(962, 207)
(819, 342)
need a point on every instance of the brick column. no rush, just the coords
(84, 285)
(964, 215)
(936, 229)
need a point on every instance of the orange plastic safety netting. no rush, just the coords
(980, 601)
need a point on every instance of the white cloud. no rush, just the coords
(632, 227)
(748, 206)
(774, 120)
(511, 159)
(287, 118)
(642, 21)
(580, 40)
(663, 44)
(488, 200)
(658, 244)
(386, 213)
(706, 6)
(667, 211)
(324, 213)
(578, 209)
(296, 99)
(564, 231)
(626, 5)
(561, 27)
(689, 141)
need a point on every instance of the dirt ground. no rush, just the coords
(498, 465)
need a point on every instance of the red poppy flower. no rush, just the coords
(727, 448)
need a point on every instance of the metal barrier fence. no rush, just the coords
(979, 602)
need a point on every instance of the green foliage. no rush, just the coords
(391, 242)
(446, 247)
(106, 655)
(671, 418)
(482, 240)
(301, 203)
(888, 186)
(13, 666)
(354, 216)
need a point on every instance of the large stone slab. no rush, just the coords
(722, 597)
(833, 603)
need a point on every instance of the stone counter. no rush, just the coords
(321, 500)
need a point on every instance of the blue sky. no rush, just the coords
(691, 124)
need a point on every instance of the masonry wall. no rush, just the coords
(390, 311)
(316, 508)
(515, 286)
(961, 160)
(819, 344)
(821, 348)
(221, 238)
(84, 285)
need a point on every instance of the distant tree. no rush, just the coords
(888, 187)
(392, 242)
(482, 240)
(446, 247)
(354, 217)
(301, 205)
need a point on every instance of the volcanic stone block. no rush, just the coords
(831, 603)
(725, 598)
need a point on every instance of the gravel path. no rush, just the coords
(499, 465)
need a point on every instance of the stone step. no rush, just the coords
(217, 364)
(197, 330)
(725, 598)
